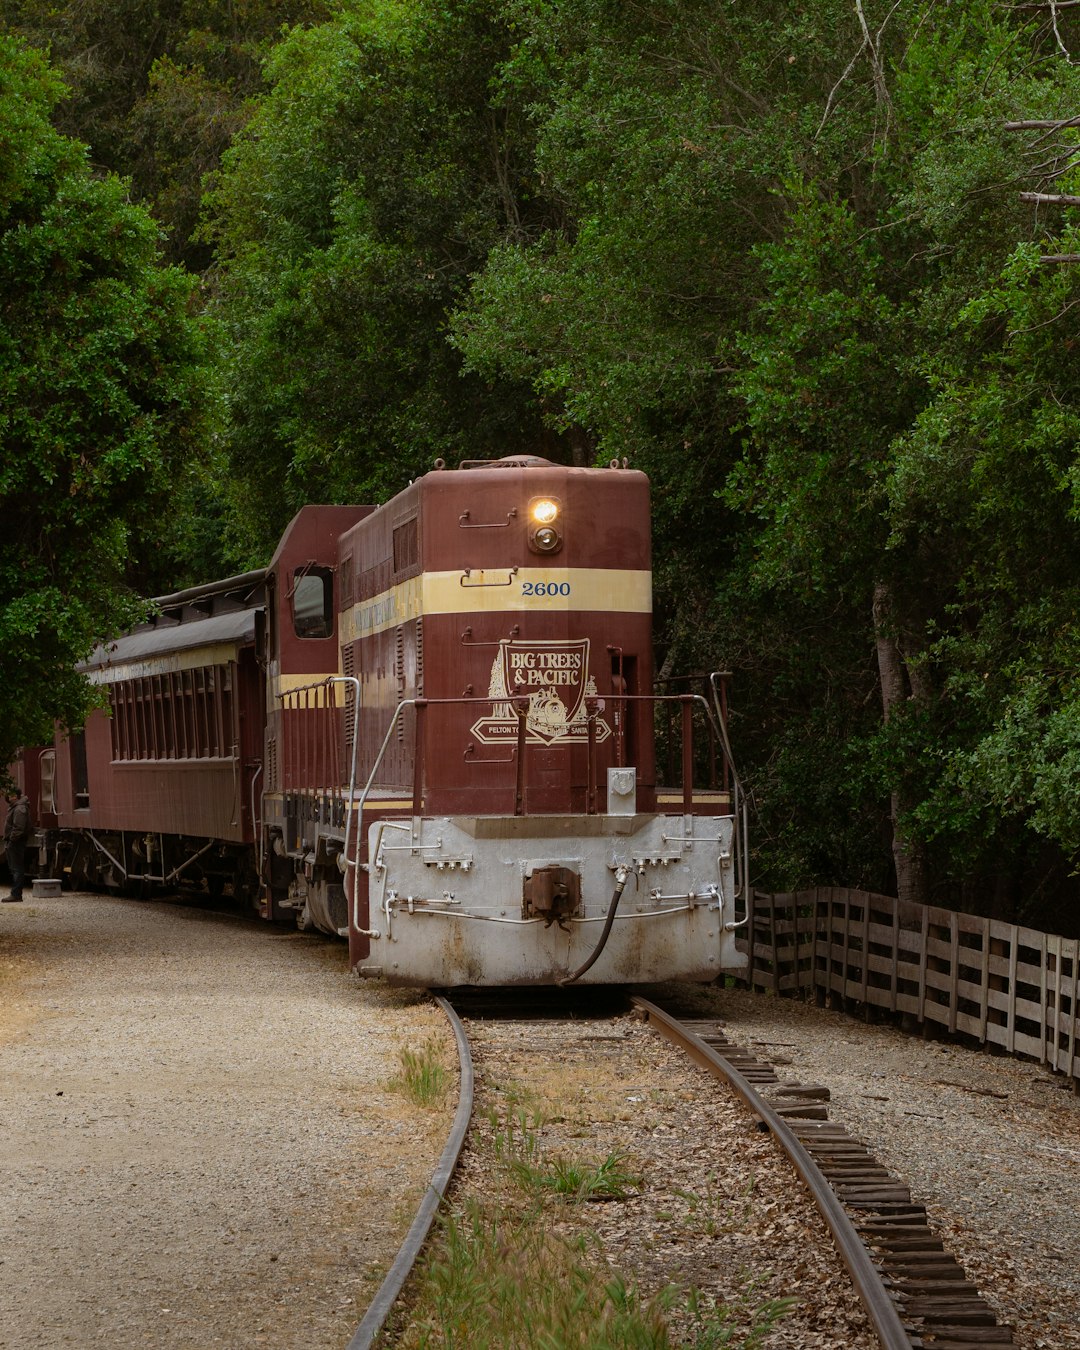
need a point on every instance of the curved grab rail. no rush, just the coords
(741, 803)
(344, 861)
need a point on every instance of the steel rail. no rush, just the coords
(391, 1287)
(864, 1274)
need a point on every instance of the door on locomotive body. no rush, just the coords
(537, 595)
(382, 638)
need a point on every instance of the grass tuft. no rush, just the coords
(499, 1281)
(713, 1213)
(424, 1078)
(517, 1148)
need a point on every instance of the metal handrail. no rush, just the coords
(740, 805)
(354, 805)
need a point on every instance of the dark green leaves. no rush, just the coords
(99, 364)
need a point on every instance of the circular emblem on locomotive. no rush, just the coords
(554, 677)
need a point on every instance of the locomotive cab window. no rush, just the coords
(313, 602)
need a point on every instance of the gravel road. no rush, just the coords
(200, 1146)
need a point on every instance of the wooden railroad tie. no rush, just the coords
(939, 1306)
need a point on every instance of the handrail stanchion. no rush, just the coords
(521, 707)
(723, 719)
(618, 707)
(418, 755)
(591, 711)
(687, 752)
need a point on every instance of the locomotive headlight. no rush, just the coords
(544, 537)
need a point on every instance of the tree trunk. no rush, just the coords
(908, 857)
(580, 446)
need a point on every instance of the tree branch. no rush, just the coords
(1042, 124)
(1051, 198)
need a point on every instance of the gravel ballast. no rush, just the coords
(200, 1146)
(717, 1208)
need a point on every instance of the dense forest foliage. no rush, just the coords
(806, 264)
(101, 370)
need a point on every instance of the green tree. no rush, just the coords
(371, 183)
(778, 232)
(100, 365)
(910, 443)
(158, 89)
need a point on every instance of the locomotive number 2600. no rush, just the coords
(545, 588)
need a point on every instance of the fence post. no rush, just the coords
(984, 1010)
(1073, 1019)
(772, 940)
(865, 953)
(847, 944)
(1043, 954)
(1010, 1024)
(813, 939)
(923, 958)
(1052, 986)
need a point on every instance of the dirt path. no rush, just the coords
(200, 1148)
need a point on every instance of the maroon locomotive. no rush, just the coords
(430, 726)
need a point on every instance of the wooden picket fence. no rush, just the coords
(1001, 984)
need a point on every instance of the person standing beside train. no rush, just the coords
(16, 833)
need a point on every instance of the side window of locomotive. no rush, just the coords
(406, 545)
(313, 600)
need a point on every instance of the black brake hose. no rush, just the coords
(615, 898)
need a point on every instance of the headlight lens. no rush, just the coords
(545, 524)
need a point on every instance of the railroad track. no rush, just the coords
(916, 1295)
(391, 1287)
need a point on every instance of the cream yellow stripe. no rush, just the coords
(498, 590)
(219, 654)
(695, 796)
